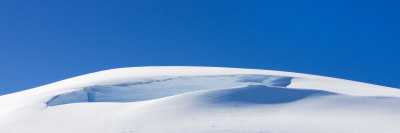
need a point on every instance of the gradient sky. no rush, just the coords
(46, 41)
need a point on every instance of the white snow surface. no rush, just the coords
(178, 99)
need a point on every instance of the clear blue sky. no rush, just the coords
(45, 41)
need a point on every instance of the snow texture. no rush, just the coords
(201, 99)
(140, 91)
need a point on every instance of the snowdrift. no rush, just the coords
(201, 99)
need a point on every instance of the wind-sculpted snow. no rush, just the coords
(261, 94)
(201, 100)
(140, 91)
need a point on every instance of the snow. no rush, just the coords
(201, 99)
(140, 91)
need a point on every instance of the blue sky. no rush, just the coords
(45, 41)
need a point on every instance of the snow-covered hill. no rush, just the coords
(201, 99)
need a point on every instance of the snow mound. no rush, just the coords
(153, 89)
(201, 99)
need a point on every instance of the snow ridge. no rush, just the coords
(201, 99)
(153, 89)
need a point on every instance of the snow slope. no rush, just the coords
(201, 99)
